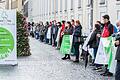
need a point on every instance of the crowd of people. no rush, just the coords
(52, 33)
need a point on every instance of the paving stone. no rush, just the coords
(45, 64)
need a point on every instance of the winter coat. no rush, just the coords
(77, 34)
(42, 30)
(118, 51)
(68, 31)
(54, 30)
(94, 40)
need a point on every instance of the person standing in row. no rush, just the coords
(58, 35)
(94, 43)
(33, 29)
(37, 31)
(68, 31)
(53, 33)
(46, 30)
(61, 32)
(29, 27)
(73, 22)
(49, 33)
(107, 32)
(42, 32)
(73, 50)
(117, 44)
(76, 39)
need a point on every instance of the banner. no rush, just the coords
(66, 44)
(106, 53)
(102, 56)
(112, 61)
(8, 53)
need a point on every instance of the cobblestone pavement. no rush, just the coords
(45, 64)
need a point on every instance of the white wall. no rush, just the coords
(111, 7)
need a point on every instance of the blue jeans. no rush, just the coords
(95, 52)
(117, 74)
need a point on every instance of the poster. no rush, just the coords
(66, 44)
(8, 51)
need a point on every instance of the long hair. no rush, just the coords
(70, 25)
(78, 22)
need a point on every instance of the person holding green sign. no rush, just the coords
(68, 31)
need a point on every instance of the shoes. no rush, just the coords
(92, 64)
(97, 68)
(107, 74)
(66, 57)
(57, 48)
(76, 61)
(103, 73)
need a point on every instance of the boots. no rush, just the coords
(67, 56)
(107, 73)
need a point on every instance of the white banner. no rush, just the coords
(101, 57)
(8, 51)
(114, 62)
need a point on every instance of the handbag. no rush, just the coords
(81, 39)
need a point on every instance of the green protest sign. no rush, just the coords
(66, 44)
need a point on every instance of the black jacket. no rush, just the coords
(77, 34)
(118, 52)
(68, 31)
(94, 40)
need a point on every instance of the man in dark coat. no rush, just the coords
(117, 43)
(54, 31)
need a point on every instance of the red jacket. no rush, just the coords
(62, 29)
(107, 30)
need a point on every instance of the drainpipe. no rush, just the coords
(91, 14)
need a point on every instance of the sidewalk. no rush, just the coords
(45, 64)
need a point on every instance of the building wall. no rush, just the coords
(2, 4)
(14, 4)
(48, 10)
